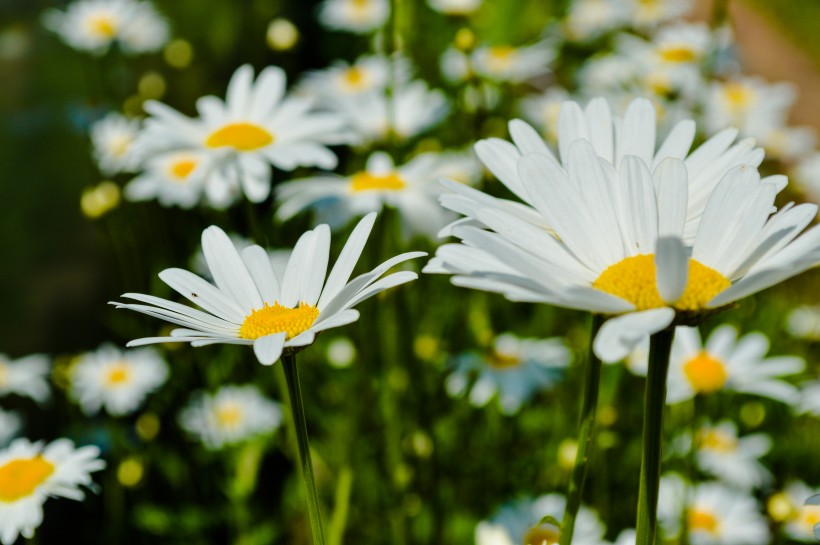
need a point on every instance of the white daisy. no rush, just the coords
(734, 460)
(10, 424)
(116, 380)
(650, 241)
(278, 258)
(588, 19)
(505, 63)
(255, 127)
(807, 175)
(543, 110)
(95, 25)
(175, 178)
(650, 13)
(788, 143)
(716, 514)
(358, 16)
(513, 370)
(30, 473)
(249, 305)
(803, 322)
(726, 363)
(801, 519)
(26, 377)
(369, 73)
(517, 523)
(750, 104)
(230, 415)
(111, 140)
(455, 7)
(810, 397)
(411, 189)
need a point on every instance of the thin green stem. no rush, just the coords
(660, 345)
(338, 521)
(297, 408)
(696, 423)
(589, 409)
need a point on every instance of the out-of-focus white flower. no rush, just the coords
(455, 7)
(726, 363)
(800, 519)
(112, 138)
(513, 371)
(94, 25)
(543, 110)
(588, 19)
(175, 178)
(788, 143)
(10, 424)
(412, 189)
(810, 397)
(116, 380)
(716, 514)
(26, 376)
(460, 166)
(341, 352)
(231, 415)
(30, 473)
(626, 537)
(803, 322)
(807, 173)
(357, 16)
(256, 127)
(505, 63)
(518, 522)
(732, 459)
(647, 14)
(368, 74)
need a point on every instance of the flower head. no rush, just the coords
(357, 16)
(26, 377)
(112, 138)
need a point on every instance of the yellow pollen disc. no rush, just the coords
(240, 136)
(500, 57)
(542, 535)
(20, 478)
(120, 146)
(355, 78)
(365, 181)
(103, 25)
(497, 360)
(181, 169)
(275, 318)
(677, 53)
(810, 516)
(703, 520)
(633, 279)
(738, 95)
(3, 374)
(717, 441)
(705, 373)
(228, 415)
(118, 375)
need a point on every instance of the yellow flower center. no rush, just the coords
(738, 95)
(240, 136)
(229, 415)
(355, 78)
(275, 318)
(120, 146)
(633, 279)
(103, 25)
(20, 478)
(3, 374)
(500, 57)
(717, 441)
(809, 516)
(180, 170)
(705, 373)
(677, 54)
(118, 375)
(542, 535)
(499, 360)
(365, 181)
(703, 520)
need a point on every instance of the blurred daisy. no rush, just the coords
(799, 519)
(412, 189)
(455, 7)
(732, 459)
(787, 143)
(176, 178)
(803, 322)
(111, 140)
(627, 537)
(726, 363)
(95, 25)
(513, 370)
(542, 111)
(750, 104)
(255, 127)
(588, 19)
(249, 305)
(26, 377)
(650, 13)
(716, 514)
(370, 73)
(30, 473)
(116, 380)
(505, 63)
(231, 415)
(807, 174)
(358, 16)
(614, 241)
(10, 424)
(810, 397)
(517, 522)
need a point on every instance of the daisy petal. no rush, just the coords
(620, 335)
(671, 268)
(269, 348)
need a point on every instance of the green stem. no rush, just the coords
(297, 408)
(589, 408)
(338, 522)
(660, 345)
(691, 466)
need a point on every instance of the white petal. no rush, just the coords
(342, 269)
(204, 294)
(671, 268)
(292, 279)
(257, 261)
(229, 272)
(671, 185)
(316, 264)
(269, 348)
(620, 335)
(637, 135)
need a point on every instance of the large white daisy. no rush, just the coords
(30, 473)
(249, 305)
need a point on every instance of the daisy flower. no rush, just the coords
(10, 424)
(111, 140)
(256, 127)
(588, 19)
(803, 322)
(647, 14)
(357, 16)
(231, 415)
(26, 377)
(249, 305)
(505, 63)
(542, 111)
(518, 522)
(95, 25)
(116, 380)
(726, 363)
(369, 73)
(810, 397)
(410, 188)
(514, 370)
(278, 258)
(750, 104)
(649, 242)
(176, 178)
(455, 7)
(716, 514)
(732, 459)
(799, 518)
(30, 473)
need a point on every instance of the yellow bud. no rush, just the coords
(178, 53)
(282, 34)
(98, 200)
(130, 472)
(464, 40)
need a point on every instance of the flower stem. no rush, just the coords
(589, 408)
(660, 345)
(292, 376)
